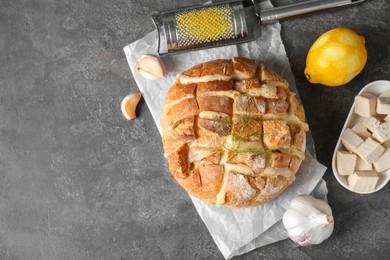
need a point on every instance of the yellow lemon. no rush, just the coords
(336, 57)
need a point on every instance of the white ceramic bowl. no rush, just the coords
(376, 88)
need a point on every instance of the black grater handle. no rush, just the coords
(281, 12)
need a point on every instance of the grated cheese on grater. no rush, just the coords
(205, 25)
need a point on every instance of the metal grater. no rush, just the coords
(225, 23)
(200, 27)
(205, 25)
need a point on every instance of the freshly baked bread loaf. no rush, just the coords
(233, 132)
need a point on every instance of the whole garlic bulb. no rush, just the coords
(308, 221)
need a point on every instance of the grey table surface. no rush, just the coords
(77, 181)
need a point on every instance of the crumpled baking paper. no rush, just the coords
(235, 231)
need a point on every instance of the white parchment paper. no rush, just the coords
(235, 231)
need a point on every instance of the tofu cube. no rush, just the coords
(386, 144)
(361, 130)
(351, 140)
(383, 163)
(382, 132)
(370, 150)
(345, 162)
(365, 104)
(383, 105)
(362, 165)
(387, 118)
(364, 181)
(372, 123)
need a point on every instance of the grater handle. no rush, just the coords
(280, 12)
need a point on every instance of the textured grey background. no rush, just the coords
(77, 181)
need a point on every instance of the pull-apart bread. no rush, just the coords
(233, 132)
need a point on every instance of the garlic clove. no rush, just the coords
(129, 105)
(150, 66)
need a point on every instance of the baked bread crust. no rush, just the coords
(233, 132)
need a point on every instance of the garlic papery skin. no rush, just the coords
(150, 66)
(308, 221)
